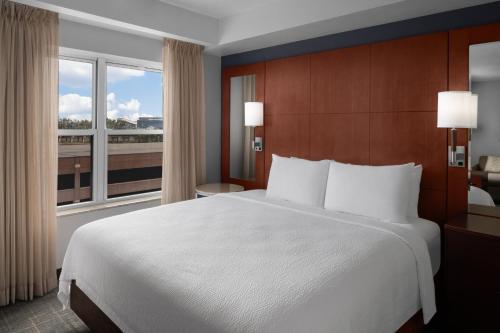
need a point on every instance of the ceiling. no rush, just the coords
(484, 60)
(233, 26)
(285, 21)
(251, 24)
(219, 8)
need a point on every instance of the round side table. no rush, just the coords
(207, 190)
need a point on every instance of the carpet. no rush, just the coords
(42, 315)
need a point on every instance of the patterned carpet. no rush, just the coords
(42, 315)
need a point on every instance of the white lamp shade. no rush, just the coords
(473, 111)
(254, 114)
(457, 109)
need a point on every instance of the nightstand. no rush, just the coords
(206, 190)
(472, 261)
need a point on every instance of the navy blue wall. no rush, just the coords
(455, 19)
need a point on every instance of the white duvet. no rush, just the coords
(236, 263)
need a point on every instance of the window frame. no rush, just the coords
(99, 132)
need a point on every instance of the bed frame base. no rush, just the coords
(414, 325)
(90, 313)
(98, 322)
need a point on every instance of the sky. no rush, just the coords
(130, 93)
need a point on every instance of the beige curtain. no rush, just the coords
(28, 151)
(248, 152)
(184, 117)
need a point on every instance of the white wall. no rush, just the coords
(90, 38)
(486, 138)
(145, 17)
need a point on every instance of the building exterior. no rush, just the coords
(150, 122)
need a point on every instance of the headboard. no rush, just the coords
(371, 104)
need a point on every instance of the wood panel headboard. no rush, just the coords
(371, 104)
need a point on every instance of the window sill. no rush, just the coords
(107, 205)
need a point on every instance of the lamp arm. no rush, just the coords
(453, 146)
(252, 131)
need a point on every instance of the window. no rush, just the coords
(134, 102)
(76, 131)
(110, 129)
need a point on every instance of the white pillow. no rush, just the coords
(414, 191)
(380, 192)
(297, 180)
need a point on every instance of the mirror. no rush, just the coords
(484, 144)
(241, 154)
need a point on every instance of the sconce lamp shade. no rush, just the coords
(254, 114)
(457, 109)
(473, 112)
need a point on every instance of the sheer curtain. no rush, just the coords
(184, 117)
(28, 151)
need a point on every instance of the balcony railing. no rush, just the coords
(122, 157)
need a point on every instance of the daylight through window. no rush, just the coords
(110, 130)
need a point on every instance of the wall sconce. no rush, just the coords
(254, 116)
(456, 109)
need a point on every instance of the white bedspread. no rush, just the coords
(233, 263)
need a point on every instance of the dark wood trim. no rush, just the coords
(96, 320)
(414, 325)
(259, 70)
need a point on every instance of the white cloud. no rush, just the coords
(116, 74)
(112, 114)
(76, 107)
(111, 101)
(78, 74)
(75, 74)
(134, 116)
(129, 110)
(112, 106)
(131, 106)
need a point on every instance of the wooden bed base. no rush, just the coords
(98, 322)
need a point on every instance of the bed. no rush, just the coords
(246, 263)
(478, 196)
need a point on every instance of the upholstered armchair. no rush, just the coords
(488, 169)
